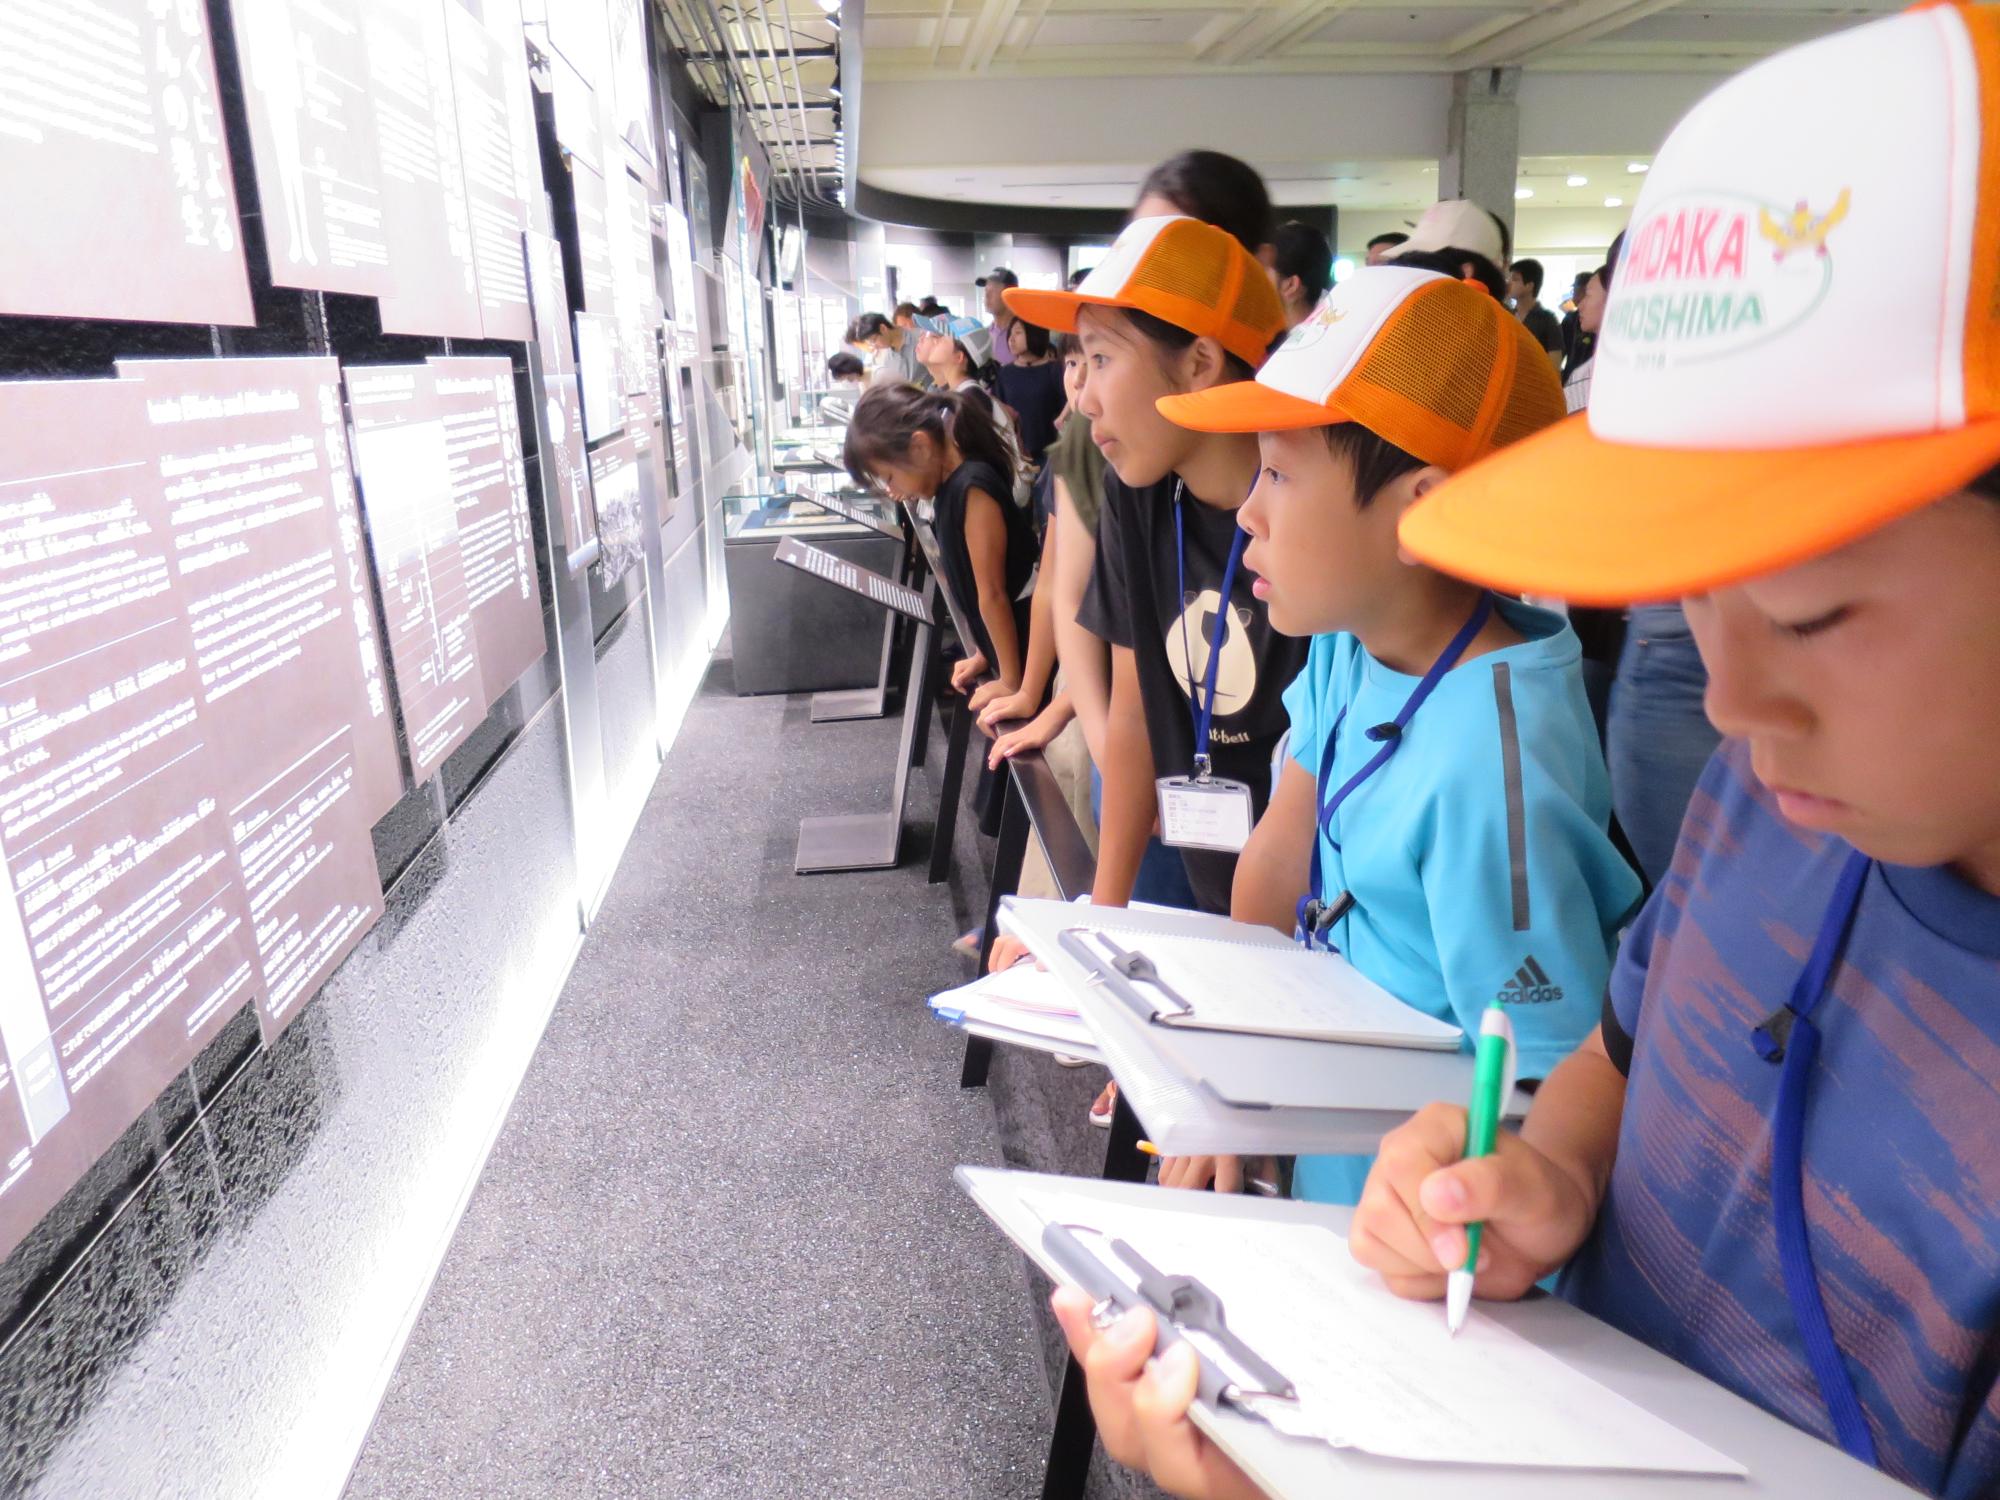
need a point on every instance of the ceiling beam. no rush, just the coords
(983, 41)
(1550, 27)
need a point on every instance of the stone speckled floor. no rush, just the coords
(716, 1251)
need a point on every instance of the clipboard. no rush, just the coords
(1783, 1461)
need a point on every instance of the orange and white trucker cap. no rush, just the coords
(1432, 364)
(1180, 270)
(1802, 340)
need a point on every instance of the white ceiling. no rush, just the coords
(1069, 102)
(924, 38)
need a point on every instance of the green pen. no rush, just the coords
(1492, 1082)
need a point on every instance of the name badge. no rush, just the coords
(1212, 814)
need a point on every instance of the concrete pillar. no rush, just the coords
(871, 266)
(1482, 154)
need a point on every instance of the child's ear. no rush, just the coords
(1206, 363)
(1406, 492)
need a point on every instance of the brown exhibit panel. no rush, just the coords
(574, 502)
(426, 216)
(118, 94)
(631, 91)
(548, 296)
(489, 488)
(125, 943)
(400, 451)
(486, 143)
(312, 140)
(593, 239)
(599, 368)
(271, 565)
(580, 31)
(614, 482)
(308, 866)
(578, 128)
(637, 300)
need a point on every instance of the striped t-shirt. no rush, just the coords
(1901, 1144)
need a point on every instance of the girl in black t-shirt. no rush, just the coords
(943, 446)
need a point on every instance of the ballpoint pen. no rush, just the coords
(1490, 1085)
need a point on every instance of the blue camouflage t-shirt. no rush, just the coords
(1901, 1145)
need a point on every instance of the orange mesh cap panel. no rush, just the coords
(1448, 377)
(1191, 275)
(1452, 376)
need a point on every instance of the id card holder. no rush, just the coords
(1205, 814)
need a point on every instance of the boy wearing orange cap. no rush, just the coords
(1779, 1158)
(1442, 817)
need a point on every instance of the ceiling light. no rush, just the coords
(1577, 179)
(831, 7)
(1614, 202)
(1636, 166)
(1520, 193)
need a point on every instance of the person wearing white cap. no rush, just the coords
(1459, 238)
(1778, 1159)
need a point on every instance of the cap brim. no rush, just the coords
(1570, 514)
(1245, 406)
(1055, 311)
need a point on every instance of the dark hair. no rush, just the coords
(1076, 277)
(1603, 274)
(1506, 235)
(932, 308)
(1531, 272)
(1304, 252)
(1037, 338)
(1987, 484)
(1393, 238)
(1171, 338)
(868, 325)
(1377, 463)
(1068, 346)
(844, 363)
(906, 310)
(1218, 190)
(888, 417)
(1453, 261)
(1582, 281)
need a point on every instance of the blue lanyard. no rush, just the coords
(1789, 1036)
(1201, 703)
(1315, 914)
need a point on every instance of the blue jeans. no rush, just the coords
(1658, 739)
(1162, 876)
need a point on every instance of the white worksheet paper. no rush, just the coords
(1379, 1374)
(1283, 991)
(1026, 998)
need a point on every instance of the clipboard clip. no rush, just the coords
(1231, 1371)
(1122, 970)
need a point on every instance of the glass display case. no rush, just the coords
(791, 632)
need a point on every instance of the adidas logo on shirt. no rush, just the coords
(1529, 986)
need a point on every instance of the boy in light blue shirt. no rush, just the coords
(1459, 854)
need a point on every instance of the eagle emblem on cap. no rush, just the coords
(1802, 230)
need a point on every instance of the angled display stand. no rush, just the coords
(865, 841)
(842, 705)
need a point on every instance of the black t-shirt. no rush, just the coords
(1135, 600)
(1546, 327)
(949, 525)
(1036, 394)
